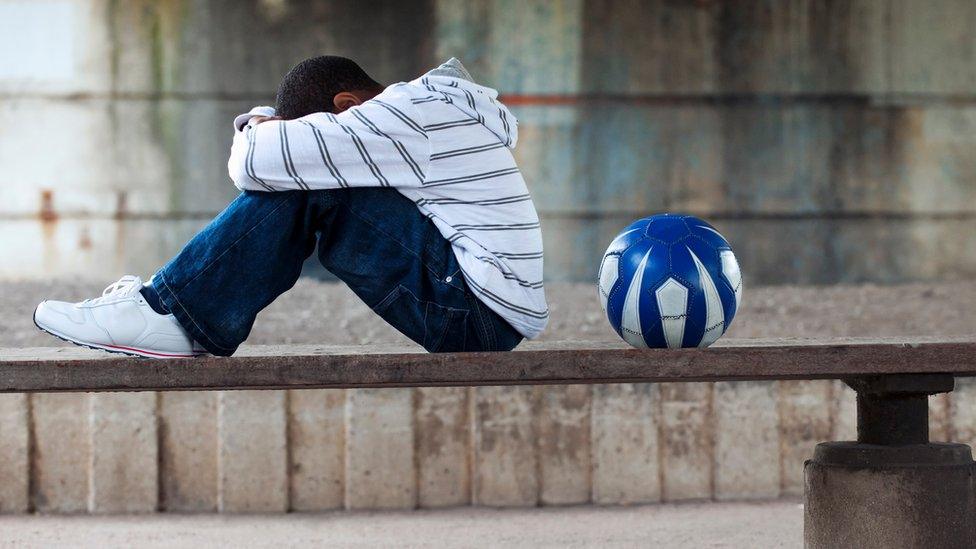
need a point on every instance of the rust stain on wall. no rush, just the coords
(121, 198)
(84, 239)
(49, 219)
(46, 212)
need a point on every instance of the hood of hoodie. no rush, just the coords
(453, 82)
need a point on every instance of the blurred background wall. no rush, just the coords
(829, 141)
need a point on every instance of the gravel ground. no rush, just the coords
(766, 525)
(318, 312)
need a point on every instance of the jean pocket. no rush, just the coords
(435, 327)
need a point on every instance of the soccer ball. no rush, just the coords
(670, 281)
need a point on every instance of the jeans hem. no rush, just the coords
(169, 299)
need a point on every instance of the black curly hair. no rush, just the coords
(311, 85)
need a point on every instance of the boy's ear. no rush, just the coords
(345, 100)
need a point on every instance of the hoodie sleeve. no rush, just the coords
(244, 119)
(380, 143)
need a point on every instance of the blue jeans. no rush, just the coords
(374, 240)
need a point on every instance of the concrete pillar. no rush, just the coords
(891, 488)
(747, 449)
(804, 420)
(504, 453)
(686, 441)
(441, 439)
(316, 452)
(916, 496)
(62, 452)
(14, 463)
(188, 449)
(124, 453)
(564, 444)
(626, 456)
(380, 472)
(253, 462)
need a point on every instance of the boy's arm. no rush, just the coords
(377, 144)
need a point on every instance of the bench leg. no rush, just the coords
(891, 488)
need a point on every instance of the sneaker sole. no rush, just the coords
(118, 349)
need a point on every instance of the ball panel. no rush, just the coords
(625, 240)
(639, 224)
(708, 234)
(655, 273)
(630, 320)
(631, 255)
(609, 273)
(711, 259)
(714, 312)
(683, 269)
(731, 272)
(667, 228)
(672, 302)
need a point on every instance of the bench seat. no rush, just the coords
(305, 366)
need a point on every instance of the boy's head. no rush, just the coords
(326, 83)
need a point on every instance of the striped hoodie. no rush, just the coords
(442, 141)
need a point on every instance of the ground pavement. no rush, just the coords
(694, 525)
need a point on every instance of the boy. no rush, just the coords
(411, 193)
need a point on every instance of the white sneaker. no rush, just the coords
(120, 321)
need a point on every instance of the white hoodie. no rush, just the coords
(443, 142)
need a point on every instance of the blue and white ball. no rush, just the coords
(670, 281)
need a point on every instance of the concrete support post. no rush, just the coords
(891, 488)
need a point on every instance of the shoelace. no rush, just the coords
(123, 287)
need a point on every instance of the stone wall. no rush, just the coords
(274, 451)
(804, 129)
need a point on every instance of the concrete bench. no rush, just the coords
(891, 487)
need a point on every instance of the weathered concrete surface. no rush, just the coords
(687, 441)
(940, 420)
(843, 412)
(822, 123)
(729, 525)
(125, 456)
(747, 451)
(804, 421)
(865, 496)
(963, 411)
(768, 249)
(95, 246)
(442, 435)
(625, 446)
(154, 84)
(253, 464)
(505, 457)
(188, 451)
(380, 470)
(316, 449)
(564, 441)
(15, 471)
(62, 452)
